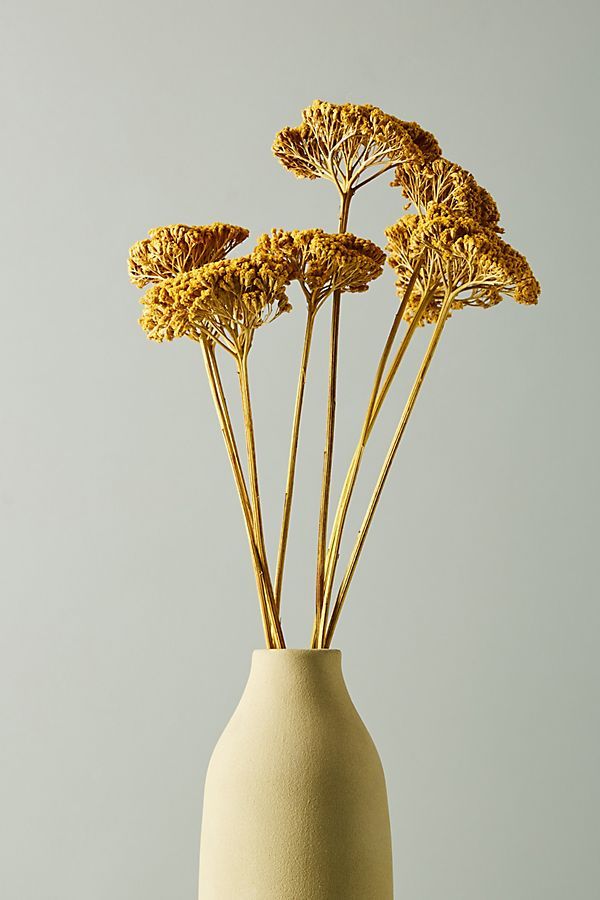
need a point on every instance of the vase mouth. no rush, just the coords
(296, 660)
(300, 651)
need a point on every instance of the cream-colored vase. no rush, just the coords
(295, 805)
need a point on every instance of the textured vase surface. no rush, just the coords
(295, 803)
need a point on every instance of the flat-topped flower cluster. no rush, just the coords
(172, 249)
(226, 300)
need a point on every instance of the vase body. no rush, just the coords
(295, 803)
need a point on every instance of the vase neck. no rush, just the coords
(290, 672)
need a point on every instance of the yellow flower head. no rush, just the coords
(172, 249)
(341, 141)
(445, 182)
(223, 301)
(324, 263)
(460, 257)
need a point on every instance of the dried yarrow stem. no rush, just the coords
(322, 264)
(446, 255)
(326, 633)
(444, 260)
(272, 626)
(349, 145)
(172, 249)
(223, 303)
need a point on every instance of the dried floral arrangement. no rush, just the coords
(447, 254)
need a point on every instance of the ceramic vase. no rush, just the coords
(295, 803)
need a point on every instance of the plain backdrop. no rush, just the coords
(128, 614)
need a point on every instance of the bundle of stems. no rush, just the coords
(326, 616)
(446, 256)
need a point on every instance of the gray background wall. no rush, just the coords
(128, 613)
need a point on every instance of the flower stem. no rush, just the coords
(222, 410)
(277, 634)
(371, 414)
(366, 523)
(291, 471)
(427, 296)
(345, 198)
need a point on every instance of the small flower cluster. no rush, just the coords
(461, 257)
(340, 141)
(226, 300)
(172, 249)
(223, 301)
(323, 263)
(445, 182)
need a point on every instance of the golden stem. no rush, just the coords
(275, 624)
(366, 523)
(427, 295)
(373, 408)
(291, 471)
(267, 588)
(375, 175)
(345, 198)
(222, 410)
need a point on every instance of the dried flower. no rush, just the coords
(172, 249)
(167, 310)
(445, 182)
(461, 257)
(341, 141)
(447, 254)
(223, 301)
(324, 263)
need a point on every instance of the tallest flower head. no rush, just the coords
(340, 142)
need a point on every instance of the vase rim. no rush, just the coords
(298, 651)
